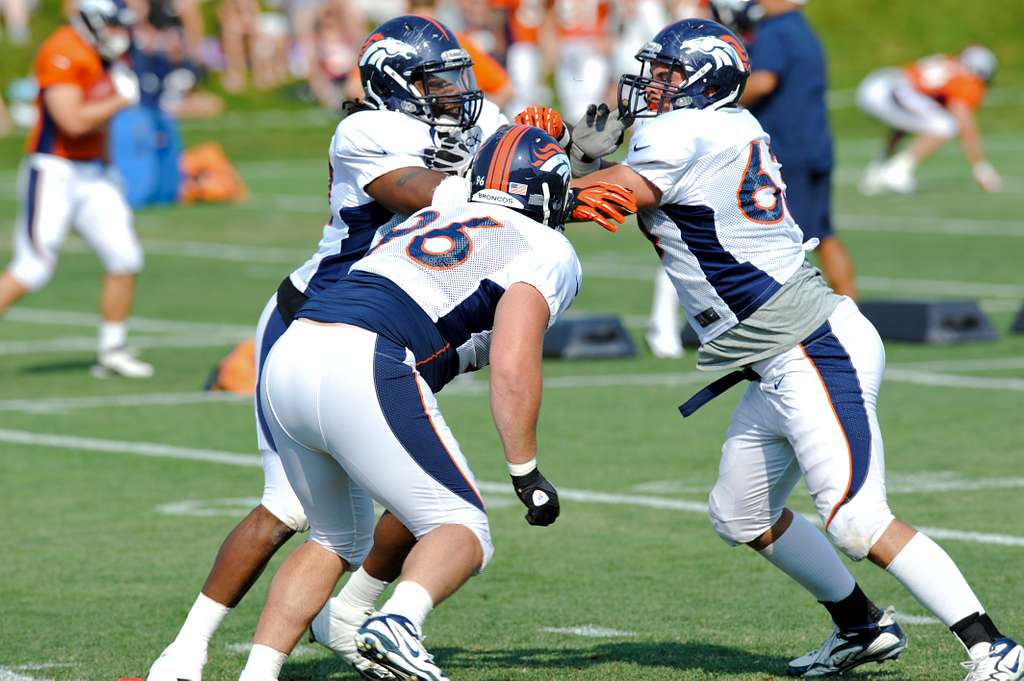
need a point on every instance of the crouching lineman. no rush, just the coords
(935, 100)
(348, 393)
(712, 202)
(386, 158)
(65, 179)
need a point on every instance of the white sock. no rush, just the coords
(411, 601)
(264, 663)
(664, 306)
(927, 572)
(203, 620)
(112, 335)
(803, 553)
(361, 591)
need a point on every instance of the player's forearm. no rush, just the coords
(515, 405)
(970, 137)
(760, 84)
(405, 190)
(89, 117)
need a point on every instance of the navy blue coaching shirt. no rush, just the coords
(794, 114)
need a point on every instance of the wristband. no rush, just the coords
(519, 469)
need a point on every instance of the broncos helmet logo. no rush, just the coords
(723, 51)
(546, 152)
(376, 52)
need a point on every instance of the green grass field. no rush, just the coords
(115, 499)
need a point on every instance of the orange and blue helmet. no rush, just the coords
(710, 58)
(523, 168)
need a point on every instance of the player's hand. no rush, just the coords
(126, 83)
(454, 153)
(596, 135)
(987, 177)
(539, 496)
(548, 120)
(603, 202)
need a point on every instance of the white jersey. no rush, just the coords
(722, 229)
(433, 282)
(365, 146)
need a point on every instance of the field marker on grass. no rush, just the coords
(590, 631)
(156, 450)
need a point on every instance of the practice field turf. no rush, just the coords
(117, 493)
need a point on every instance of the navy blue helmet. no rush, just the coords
(741, 16)
(707, 59)
(523, 168)
(416, 66)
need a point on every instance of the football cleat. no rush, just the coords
(334, 627)
(392, 641)
(1004, 661)
(849, 648)
(122, 362)
(178, 664)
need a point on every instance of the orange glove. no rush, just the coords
(603, 202)
(548, 120)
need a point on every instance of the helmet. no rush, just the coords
(980, 61)
(94, 20)
(740, 16)
(709, 58)
(523, 168)
(416, 66)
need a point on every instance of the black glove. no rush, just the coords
(538, 495)
(454, 153)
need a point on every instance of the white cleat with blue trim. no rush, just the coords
(849, 648)
(393, 642)
(335, 628)
(1003, 661)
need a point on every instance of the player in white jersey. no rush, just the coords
(712, 202)
(378, 167)
(348, 393)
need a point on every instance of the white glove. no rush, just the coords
(454, 153)
(594, 136)
(126, 83)
(987, 177)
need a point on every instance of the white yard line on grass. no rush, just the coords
(88, 343)
(153, 449)
(66, 404)
(921, 224)
(904, 618)
(589, 631)
(30, 315)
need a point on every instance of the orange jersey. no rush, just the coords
(66, 59)
(581, 18)
(944, 79)
(490, 76)
(524, 18)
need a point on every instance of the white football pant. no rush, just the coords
(812, 414)
(353, 422)
(890, 97)
(278, 496)
(56, 194)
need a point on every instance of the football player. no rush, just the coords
(348, 394)
(420, 109)
(386, 159)
(66, 181)
(935, 100)
(712, 203)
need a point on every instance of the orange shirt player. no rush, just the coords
(65, 180)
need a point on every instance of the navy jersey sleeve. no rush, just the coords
(768, 53)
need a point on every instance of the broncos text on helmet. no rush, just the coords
(94, 21)
(416, 66)
(691, 64)
(523, 168)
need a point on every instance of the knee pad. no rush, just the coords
(287, 510)
(32, 273)
(733, 527)
(854, 532)
(126, 259)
